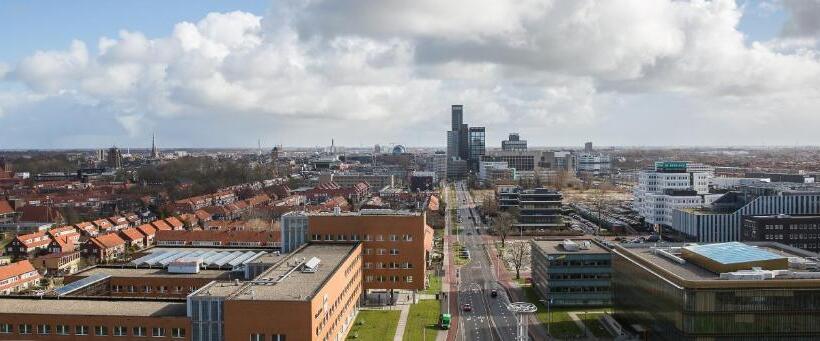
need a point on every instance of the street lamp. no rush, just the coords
(549, 316)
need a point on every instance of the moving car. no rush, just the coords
(467, 307)
(494, 293)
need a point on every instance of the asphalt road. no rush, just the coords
(489, 318)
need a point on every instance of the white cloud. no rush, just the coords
(538, 64)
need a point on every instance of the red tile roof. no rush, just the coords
(103, 224)
(108, 241)
(147, 229)
(65, 244)
(174, 223)
(40, 214)
(16, 269)
(131, 234)
(36, 239)
(160, 225)
(5, 207)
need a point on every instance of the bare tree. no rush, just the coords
(518, 253)
(489, 205)
(504, 223)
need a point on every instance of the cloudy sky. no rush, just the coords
(89, 74)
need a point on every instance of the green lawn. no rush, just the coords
(423, 316)
(592, 322)
(560, 325)
(374, 325)
(434, 286)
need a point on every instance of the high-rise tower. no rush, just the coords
(154, 150)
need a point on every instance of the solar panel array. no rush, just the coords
(80, 284)
(209, 258)
(733, 252)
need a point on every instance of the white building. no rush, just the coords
(669, 186)
(490, 170)
(439, 165)
(594, 163)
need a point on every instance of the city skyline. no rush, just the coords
(228, 74)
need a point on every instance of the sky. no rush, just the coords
(207, 73)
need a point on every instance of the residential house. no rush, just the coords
(118, 222)
(7, 212)
(61, 245)
(103, 225)
(40, 215)
(104, 248)
(149, 232)
(161, 225)
(25, 245)
(87, 229)
(133, 237)
(17, 277)
(133, 219)
(68, 233)
(58, 264)
(175, 223)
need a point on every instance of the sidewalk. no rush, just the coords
(405, 310)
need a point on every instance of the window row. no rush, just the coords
(382, 252)
(61, 329)
(356, 237)
(274, 337)
(393, 266)
(373, 278)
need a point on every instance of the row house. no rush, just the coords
(7, 213)
(103, 225)
(61, 245)
(149, 232)
(161, 225)
(58, 264)
(133, 219)
(25, 245)
(17, 277)
(87, 229)
(67, 233)
(212, 238)
(175, 223)
(133, 237)
(118, 222)
(104, 248)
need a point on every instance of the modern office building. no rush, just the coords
(495, 171)
(514, 143)
(722, 219)
(397, 244)
(539, 209)
(507, 196)
(477, 136)
(439, 164)
(802, 232)
(593, 163)
(671, 185)
(725, 291)
(571, 272)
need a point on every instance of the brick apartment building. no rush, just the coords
(396, 244)
(17, 277)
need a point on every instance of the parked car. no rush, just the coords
(467, 307)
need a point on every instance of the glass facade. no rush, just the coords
(477, 146)
(581, 279)
(668, 311)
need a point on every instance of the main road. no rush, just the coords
(489, 318)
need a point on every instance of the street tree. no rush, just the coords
(518, 254)
(504, 224)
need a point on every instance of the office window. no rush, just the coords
(5, 328)
(257, 337)
(329, 237)
(408, 238)
(178, 332)
(379, 238)
(140, 331)
(394, 237)
(81, 330)
(278, 337)
(61, 329)
(394, 252)
(120, 331)
(381, 252)
(367, 238)
(340, 237)
(100, 330)
(409, 279)
(43, 329)
(354, 237)
(157, 332)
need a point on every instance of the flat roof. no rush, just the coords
(688, 270)
(36, 305)
(294, 285)
(554, 247)
(733, 252)
(155, 272)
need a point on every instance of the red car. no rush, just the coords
(467, 307)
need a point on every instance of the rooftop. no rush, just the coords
(285, 281)
(733, 252)
(678, 271)
(156, 272)
(90, 307)
(555, 247)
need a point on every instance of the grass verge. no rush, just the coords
(422, 321)
(374, 325)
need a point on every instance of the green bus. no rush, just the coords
(444, 321)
